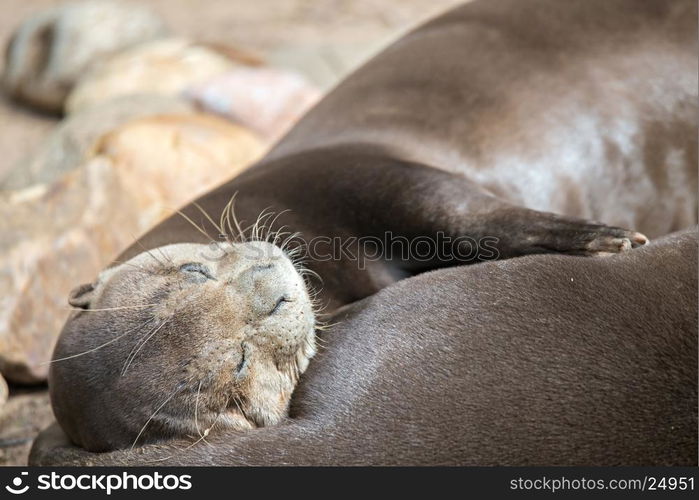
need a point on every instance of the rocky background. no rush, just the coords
(120, 112)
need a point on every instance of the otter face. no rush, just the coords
(179, 340)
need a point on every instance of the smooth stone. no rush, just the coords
(165, 67)
(267, 100)
(52, 49)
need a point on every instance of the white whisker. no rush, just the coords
(133, 354)
(99, 346)
(153, 416)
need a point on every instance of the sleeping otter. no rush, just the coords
(176, 341)
(481, 123)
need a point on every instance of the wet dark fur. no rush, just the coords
(586, 108)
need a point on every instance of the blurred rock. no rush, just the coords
(64, 233)
(73, 140)
(50, 50)
(266, 100)
(167, 67)
(56, 237)
(165, 161)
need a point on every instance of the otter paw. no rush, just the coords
(607, 240)
(542, 232)
(609, 245)
(589, 238)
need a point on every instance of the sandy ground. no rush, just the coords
(322, 39)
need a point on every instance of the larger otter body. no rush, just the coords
(540, 360)
(586, 108)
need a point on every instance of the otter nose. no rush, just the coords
(265, 286)
(242, 272)
(257, 277)
(256, 273)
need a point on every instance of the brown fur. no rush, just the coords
(478, 120)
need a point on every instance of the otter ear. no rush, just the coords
(81, 296)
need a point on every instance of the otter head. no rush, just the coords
(179, 340)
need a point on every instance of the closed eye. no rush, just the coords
(197, 269)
